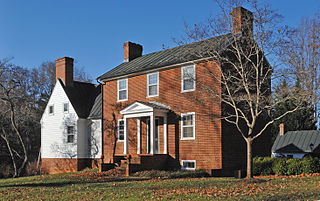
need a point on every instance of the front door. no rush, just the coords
(156, 137)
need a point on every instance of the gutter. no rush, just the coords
(102, 127)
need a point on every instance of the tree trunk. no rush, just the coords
(249, 158)
(11, 155)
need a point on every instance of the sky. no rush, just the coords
(93, 32)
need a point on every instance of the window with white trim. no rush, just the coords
(123, 90)
(70, 134)
(188, 164)
(51, 109)
(188, 126)
(188, 76)
(120, 130)
(153, 84)
(65, 107)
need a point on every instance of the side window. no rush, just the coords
(188, 164)
(153, 84)
(51, 109)
(120, 130)
(188, 76)
(123, 90)
(65, 107)
(188, 126)
(70, 134)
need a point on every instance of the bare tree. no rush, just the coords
(244, 73)
(302, 54)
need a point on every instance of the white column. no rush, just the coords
(152, 126)
(165, 135)
(125, 145)
(138, 137)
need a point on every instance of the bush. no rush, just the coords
(310, 165)
(294, 166)
(6, 171)
(32, 168)
(279, 166)
(262, 165)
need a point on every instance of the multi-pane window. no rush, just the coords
(120, 130)
(188, 126)
(153, 84)
(188, 164)
(65, 107)
(70, 134)
(51, 109)
(122, 90)
(188, 78)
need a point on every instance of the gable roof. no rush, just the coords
(297, 142)
(82, 96)
(184, 53)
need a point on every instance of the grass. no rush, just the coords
(93, 186)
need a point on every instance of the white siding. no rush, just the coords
(95, 130)
(53, 127)
(83, 138)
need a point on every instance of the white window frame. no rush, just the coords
(73, 134)
(192, 161)
(52, 110)
(63, 108)
(182, 78)
(157, 84)
(118, 130)
(194, 125)
(122, 90)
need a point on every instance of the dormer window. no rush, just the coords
(123, 90)
(153, 84)
(188, 78)
(51, 109)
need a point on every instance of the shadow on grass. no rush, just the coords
(79, 181)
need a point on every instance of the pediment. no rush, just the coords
(136, 107)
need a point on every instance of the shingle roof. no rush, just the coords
(297, 142)
(82, 96)
(171, 56)
(96, 111)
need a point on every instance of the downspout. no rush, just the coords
(102, 127)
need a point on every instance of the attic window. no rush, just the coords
(51, 109)
(65, 107)
(70, 134)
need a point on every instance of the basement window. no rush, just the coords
(120, 130)
(188, 164)
(70, 134)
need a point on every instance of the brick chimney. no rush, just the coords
(131, 51)
(281, 129)
(64, 70)
(242, 21)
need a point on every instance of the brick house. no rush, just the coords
(153, 110)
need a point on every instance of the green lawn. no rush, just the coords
(92, 186)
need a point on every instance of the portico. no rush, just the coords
(153, 112)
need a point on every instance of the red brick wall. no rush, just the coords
(61, 165)
(205, 149)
